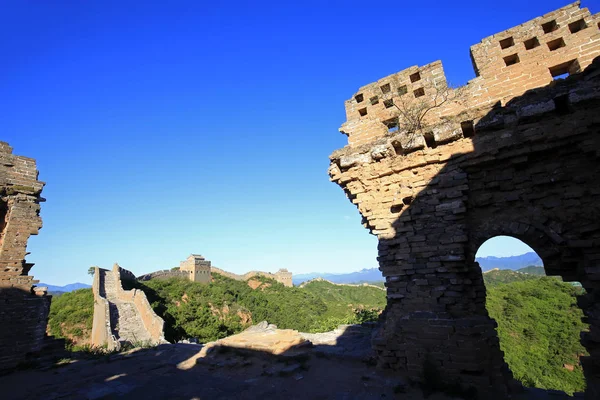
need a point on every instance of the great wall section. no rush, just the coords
(196, 268)
(122, 316)
(512, 153)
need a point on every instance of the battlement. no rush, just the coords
(507, 64)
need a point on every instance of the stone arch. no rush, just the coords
(548, 248)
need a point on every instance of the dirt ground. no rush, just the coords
(174, 371)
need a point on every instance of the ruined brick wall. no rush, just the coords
(24, 314)
(525, 167)
(507, 64)
(153, 324)
(101, 331)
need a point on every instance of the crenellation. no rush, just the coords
(507, 64)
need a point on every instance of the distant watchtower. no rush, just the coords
(197, 267)
(284, 276)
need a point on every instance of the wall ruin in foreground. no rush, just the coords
(23, 310)
(520, 160)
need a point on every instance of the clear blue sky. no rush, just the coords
(169, 128)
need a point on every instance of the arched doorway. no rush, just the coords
(539, 321)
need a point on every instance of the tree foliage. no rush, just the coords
(539, 324)
(71, 316)
(216, 310)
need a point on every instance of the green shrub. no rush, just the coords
(71, 315)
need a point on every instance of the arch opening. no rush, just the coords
(538, 319)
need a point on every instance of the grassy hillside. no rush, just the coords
(341, 300)
(533, 270)
(227, 306)
(501, 276)
(71, 316)
(539, 324)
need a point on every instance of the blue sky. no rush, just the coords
(169, 128)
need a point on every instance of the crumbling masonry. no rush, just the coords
(514, 152)
(23, 310)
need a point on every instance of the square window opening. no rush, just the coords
(511, 60)
(385, 88)
(564, 70)
(388, 103)
(415, 77)
(362, 112)
(430, 140)
(468, 129)
(531, 43)
(374, 100)
(556, 44)
(359, 98)
(506, 43)
(576, 26)
(550, 26)
(402, 90)
(420, 92)
(391, 125)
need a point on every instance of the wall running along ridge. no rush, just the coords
(24, 310)
(196, 268)
(515, 153)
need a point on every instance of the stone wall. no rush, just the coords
(101, 331)
(153, 323)
(164, 274)
(527, 167)
(24, 311)
(282, 276)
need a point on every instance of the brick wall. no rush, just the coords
(527, 168)
(153, 323)
(101, 330)
(24, 312)
(282, 276)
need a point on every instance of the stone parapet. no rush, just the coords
(506, 67)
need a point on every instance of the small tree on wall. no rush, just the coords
(414, 108)
(91, 271)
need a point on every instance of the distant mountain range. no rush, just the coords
(513, 262)
(364, 275)
(369, 275)
(67, 288)
(374, 275)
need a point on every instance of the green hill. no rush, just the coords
(533, 270)
(71, 316)
(342, 299)
(502, 276)
(227, 306)
(539, 324)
